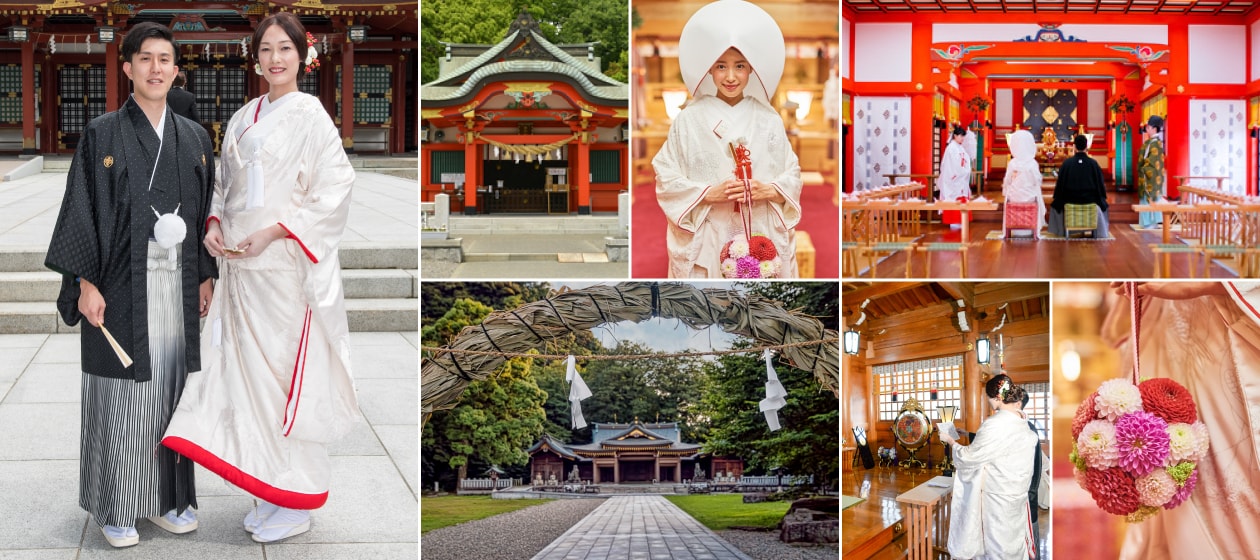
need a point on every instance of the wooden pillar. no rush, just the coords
(616, 470)
(347, 98)
(582, 172)
(656, 465)
(470, 170)
(112, 64)
(973, 388)
(28, 98)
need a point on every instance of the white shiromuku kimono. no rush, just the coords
(275, 386)
(1211, 346)
(955, 177)
(989, 516)
(696, 157)
(954, 181)
(1022, 182)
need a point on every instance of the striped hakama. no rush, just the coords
(124, 472)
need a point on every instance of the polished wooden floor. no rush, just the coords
(872, 529)
(1127, 256)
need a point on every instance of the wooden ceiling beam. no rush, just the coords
(965, 291)
(942, 309)
(997, 293)
(876, 290)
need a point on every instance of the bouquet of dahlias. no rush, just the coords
(1136, 448)
(751, 257)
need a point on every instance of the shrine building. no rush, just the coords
(60, 66)
(1164, 95)
(524, 126)
(621, 453)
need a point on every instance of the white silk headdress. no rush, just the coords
(725, 24)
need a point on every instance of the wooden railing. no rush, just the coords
(488, 483)
(1219, 218)
(927, 518)
(884, 224)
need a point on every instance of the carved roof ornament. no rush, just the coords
(525, 22)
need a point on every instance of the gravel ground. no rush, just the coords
(766, 546)
(515, 535)
(432, 269)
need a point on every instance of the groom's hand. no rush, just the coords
(91, 303)
(205, 295)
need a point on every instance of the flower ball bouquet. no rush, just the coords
(751, 257)
(748, 254)
(1136, 448)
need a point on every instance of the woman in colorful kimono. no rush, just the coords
(275, 386)
(731, 54)
(1150, 171)
(989, 516)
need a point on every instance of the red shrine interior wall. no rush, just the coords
(1212, 68)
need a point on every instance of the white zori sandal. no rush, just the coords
(120, 537)
(282, 524)
(178, 524)
(259, 514)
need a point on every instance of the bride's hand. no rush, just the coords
(1173, 290)
(258, 241)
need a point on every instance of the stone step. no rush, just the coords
(353, 256)
(57, 164)
(383, 315)
(536, 225)
(409, 173)
(358, 284)
(369, 162)
(380, 283)
(503, 257)
(364, 315)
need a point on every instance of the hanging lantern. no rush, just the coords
(982, 350)
(851, 342)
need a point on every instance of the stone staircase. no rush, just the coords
(404, 166)
(381, 286)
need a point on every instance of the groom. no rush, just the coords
(1080, 182)
(131, 165)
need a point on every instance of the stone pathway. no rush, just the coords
(639, 528)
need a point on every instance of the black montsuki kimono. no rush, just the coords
(106, 221)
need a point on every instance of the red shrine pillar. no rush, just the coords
(582, 172)
(470, 172)
(28, 98)
(921, 135)
(1177, 122)
(347, 97)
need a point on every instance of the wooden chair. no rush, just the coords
(805, 255)
(849, 259)
(873, 251)
(960, 248)
(1080, 217)
(1019, 215)
(1244, 254)
(1161, 249)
